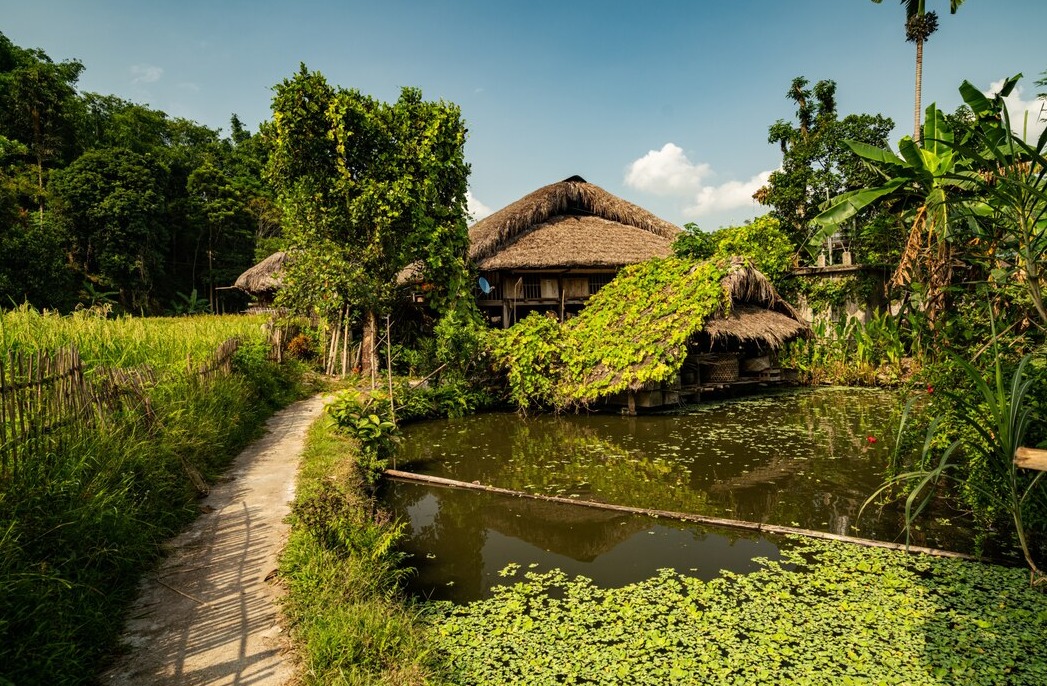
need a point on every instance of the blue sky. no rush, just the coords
(665, 103)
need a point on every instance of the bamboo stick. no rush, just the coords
(389, 368)
(758, 527)
(4, 449)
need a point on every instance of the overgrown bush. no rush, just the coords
(367, 418)
(852, 352)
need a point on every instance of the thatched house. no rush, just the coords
(663, 330)
(263, 280)
(552, 249)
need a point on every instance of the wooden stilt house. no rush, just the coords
(552, 249)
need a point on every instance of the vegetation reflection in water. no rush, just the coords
(798, 459)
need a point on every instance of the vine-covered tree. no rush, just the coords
(816, 164)
(366, 188)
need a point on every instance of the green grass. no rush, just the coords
(164, 343)
(349, 619)
(80, 522)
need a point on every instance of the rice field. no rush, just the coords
(165, 343)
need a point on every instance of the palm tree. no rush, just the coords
(919, 25)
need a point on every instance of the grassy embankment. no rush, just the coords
(349, 618)
(83, 517)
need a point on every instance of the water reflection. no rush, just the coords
(799, 459)
(461, 540)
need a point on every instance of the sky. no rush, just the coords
(665, 103)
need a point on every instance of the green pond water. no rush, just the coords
(807, 459)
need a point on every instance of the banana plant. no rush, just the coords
(926, 179)
(1011, 189)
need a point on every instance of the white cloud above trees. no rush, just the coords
(476, 209)
(146, 73)
(669, 172)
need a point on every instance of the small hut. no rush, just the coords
(668, 329)
(552, 249)
(263, 280)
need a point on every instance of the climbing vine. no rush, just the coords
(633, 332)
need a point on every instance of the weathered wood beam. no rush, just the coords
(1031, 458)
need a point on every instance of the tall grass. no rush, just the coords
(80, 521)
(349, 618)
(165, 343)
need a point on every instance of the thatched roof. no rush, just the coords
(747, 285)
(264, 277)
(569, 223)
(755, 324)
(576, 241)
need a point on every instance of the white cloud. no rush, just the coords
(1017, 108)
(727, 196)
(145, 73)
(669, 172)
(666, 172)
(476, 209)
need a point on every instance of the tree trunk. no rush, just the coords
(919, 88)
(369, 360)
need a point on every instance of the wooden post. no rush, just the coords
(389, 368)
(632, 403)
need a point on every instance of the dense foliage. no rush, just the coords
(816, 165)
(828, 613)
(106, 200)
(633, 331)
(367, 188)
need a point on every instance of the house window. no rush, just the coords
(598, 281)
(532, 288)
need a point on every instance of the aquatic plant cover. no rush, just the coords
(828, 613)
(632, 332)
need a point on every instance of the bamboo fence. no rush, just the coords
(47, 401)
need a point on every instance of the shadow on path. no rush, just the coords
(208, 615)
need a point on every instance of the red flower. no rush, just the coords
(871, 439)
(930, 388)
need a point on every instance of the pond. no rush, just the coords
(806, 459)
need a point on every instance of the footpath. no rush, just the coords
(209, 613)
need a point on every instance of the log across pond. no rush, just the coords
(756, 527)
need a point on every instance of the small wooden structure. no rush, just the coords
(735, 349)
(554, 248)
(263, 280)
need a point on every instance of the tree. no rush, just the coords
(222, 215)
(366, 188)
(37, 100)
(816, 164)
(112, 201)
(919, 25)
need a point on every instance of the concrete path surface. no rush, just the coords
(208, 614)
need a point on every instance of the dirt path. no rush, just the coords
(208, 615)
